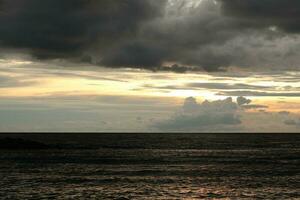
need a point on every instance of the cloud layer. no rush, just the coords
(207, 34)
(69, 28)
(279, 13)
(227, 115)
(204, 116)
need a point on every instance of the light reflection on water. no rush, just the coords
(118, 173)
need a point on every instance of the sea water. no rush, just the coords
(153, 166)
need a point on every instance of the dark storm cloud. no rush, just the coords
(205, 36)
(210, 35)
(68, 28)
(281, 13)
(186, 34)
(134, 54)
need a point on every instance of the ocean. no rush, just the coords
(151, 166)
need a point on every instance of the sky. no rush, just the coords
(150, 65)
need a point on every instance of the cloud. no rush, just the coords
(242, 101)
(203, 116)
(225, 116)
(253, 106)
(259, 94)
(279, 13)
(284, 113)
(203, 35)
(211, 86)
(208, 34)
(227, 86)
(134, 54)
(70, 28)
(11, 82)
(291, 122)
(245, 103)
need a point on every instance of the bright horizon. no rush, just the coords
(139, 98)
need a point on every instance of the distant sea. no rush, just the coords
(150, 166)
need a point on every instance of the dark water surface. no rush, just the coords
(153, 166)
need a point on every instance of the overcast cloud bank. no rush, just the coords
(210, 35)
